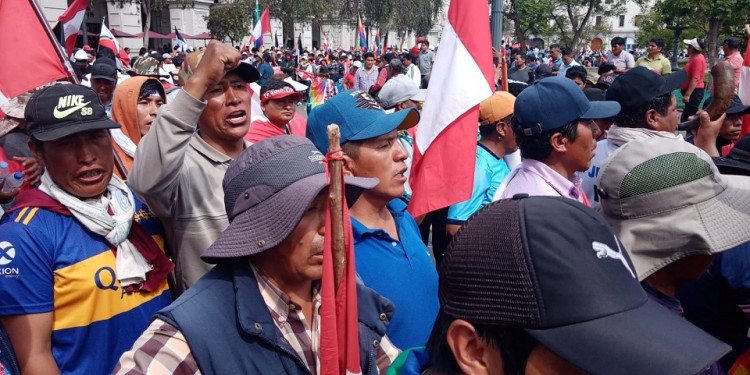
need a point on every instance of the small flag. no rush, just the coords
(362, 38)
(445, 146)
(180, 40)
(377, 49)
(106, 39)
(263, 26)
(71, 21)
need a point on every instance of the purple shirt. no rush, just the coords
(537, 179)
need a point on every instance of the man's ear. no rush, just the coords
(348, 165)
(558, 142)
(652, 120)
(37, 152)
(467, 347)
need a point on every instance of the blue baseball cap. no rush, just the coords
(359, 117)
(553, 102)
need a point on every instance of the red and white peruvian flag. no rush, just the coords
(71, 21)
(23, 30)
(446, 142)
(744, 90)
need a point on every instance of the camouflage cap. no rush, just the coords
(190, 64)
(146, 66)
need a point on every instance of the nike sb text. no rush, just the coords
(67, 105)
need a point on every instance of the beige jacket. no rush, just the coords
(179, 176)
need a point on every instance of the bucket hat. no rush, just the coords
(263, 205)
(666, 200)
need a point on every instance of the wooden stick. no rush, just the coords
(337, 208)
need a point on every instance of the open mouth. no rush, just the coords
(237, 118)
(91, 176)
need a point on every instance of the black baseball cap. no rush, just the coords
(553, 267)
(732, 42)
(638, 86)
(104, 70)
(737, 160)
(62, 110)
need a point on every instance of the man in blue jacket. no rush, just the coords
(258, 310)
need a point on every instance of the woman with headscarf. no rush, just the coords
(134, 106)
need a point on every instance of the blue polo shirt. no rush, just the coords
(489, 172)
(401, 271)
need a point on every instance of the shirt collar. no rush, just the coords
(569, 188)
(278, 301)
(216, 156)
(396, 207)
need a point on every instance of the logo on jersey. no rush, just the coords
(7, 254)
(316, 157)
(604, 251)
(68, 104)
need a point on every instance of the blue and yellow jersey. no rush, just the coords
(51, 263)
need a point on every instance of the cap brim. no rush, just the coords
(646, 340)
(295, 95)
(247, 72)
(272, 220)
(732, 166)
(400, 120)
(601, 109)
(104, 77)
(84, 126)
(738, 109)
(673, 82)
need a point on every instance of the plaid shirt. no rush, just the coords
(163, 349)
(364, 80)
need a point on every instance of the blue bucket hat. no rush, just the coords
(359, 117)
(553, 102)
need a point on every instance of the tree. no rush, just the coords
(231, 20)
(705, 18)
(571, 18)
(148, 6)
(529, 17)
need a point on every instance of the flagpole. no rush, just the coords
(60, 52)
(334, 159)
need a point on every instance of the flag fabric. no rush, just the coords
(325, 42)
(339, 334)
(362, 37)
(71, 21)
(376, 48)
(299, 43)
(744, 90)
(106, 39)
(181, 44)
(25, 32)
(263, 26)
(276, 40)
(445, 145)
(317, 91)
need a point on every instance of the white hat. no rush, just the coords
(166, 56)
(80, 55)
(400, 89)
(357, 64)
(693, 43)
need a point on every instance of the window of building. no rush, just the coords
(638, 19)
(598, 21)
(622, 21)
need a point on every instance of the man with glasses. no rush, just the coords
(655, 60)
(556, 138)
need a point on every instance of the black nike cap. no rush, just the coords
(62, 110)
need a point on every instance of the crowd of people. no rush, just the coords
(173, 215)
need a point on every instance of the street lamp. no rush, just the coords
(677, 28)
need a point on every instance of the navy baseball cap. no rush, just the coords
(359, 117)
(638, 86)
(735, 107)
(553, 102)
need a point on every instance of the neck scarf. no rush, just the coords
(131, 266)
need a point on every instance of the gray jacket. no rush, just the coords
(179, 176)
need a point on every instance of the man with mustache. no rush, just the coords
(179, 164)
